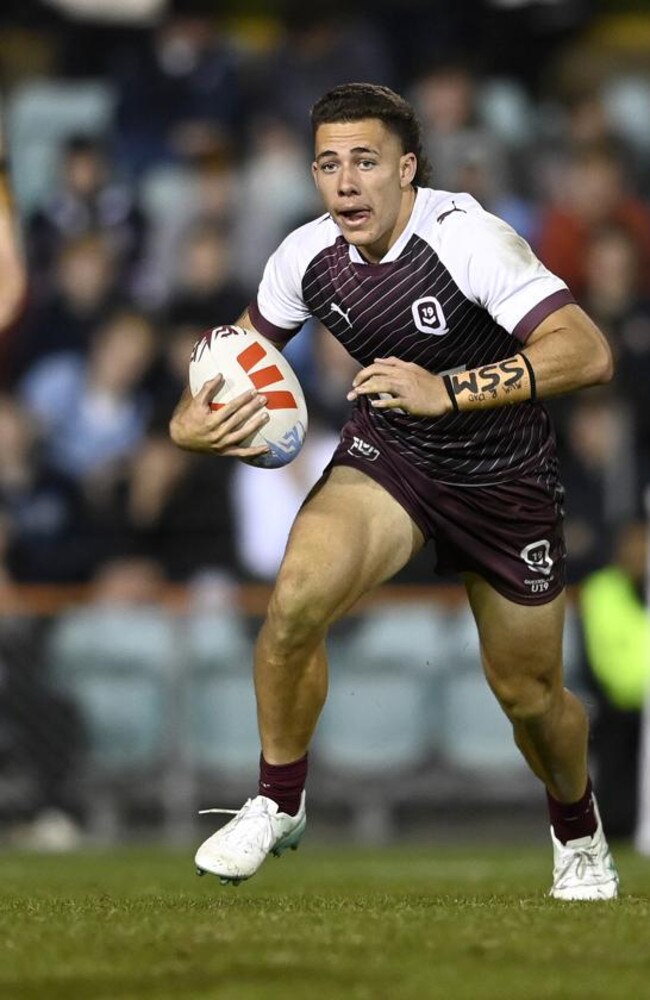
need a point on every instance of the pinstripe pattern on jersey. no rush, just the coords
(373, 318)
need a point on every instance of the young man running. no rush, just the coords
(435, 298)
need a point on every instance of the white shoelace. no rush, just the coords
(249, 812)
(580, 862)
(229, 812)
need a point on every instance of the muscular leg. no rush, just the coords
(350, 537)
(521, 648)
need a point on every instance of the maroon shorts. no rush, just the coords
(509, 533)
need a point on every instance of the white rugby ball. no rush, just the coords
(246, 360)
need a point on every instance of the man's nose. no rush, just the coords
(348, 181)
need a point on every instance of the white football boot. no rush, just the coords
(584, 868)
(237, 850)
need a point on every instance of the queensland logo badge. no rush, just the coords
(537, 557)
(429, 317)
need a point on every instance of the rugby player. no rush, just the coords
(460, 331)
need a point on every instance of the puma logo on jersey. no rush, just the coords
(341, 312)
(450, 211)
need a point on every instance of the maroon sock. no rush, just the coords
(572, 820)
(283, 783)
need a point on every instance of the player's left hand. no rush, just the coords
(410, 387)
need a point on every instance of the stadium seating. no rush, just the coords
(221, 719)
(627, 101)
(381, 721)
(41, 115)
(382, 706)
(119, 667)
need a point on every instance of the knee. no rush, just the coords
(527, 698)
(296, 615)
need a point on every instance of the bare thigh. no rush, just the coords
(521, 645)
(350, 536)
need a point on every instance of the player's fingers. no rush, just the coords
(225, 438)
(224, 413)
(376, 383)
(209, 389)
(245, 452)
(369, 372)
(389, 403)
(227, 419)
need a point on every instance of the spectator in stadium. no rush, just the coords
(87, 200)
(93, 411)
(601, 476)
(170, 374)
(275, 193)
(617, 642)
(415, 282)
(42, 741)
(595, 193)
(323, 43)
(178, 93)
(205, 290)
(48, 537)
(175, 509)
(614, 296)
(454, 137)
(85, 290)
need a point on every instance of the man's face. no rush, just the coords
(364, 180)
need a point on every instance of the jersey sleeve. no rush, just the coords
(497, 269)
(279, 309)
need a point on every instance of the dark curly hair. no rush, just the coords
(352, 102)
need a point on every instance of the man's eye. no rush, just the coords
(367, 164)
(328, 168)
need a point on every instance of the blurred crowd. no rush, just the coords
(153, 217)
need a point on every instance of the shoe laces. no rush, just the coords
(579, 860)
(253, 817)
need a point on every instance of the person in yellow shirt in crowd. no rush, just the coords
(616, 628)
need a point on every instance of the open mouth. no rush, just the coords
(354, 216)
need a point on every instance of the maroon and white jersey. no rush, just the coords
(457, 290)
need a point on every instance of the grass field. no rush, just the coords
(380, 925)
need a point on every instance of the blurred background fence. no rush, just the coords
(160, 151)
(124, 717)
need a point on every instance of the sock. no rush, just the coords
(283, 783)
(572, 820)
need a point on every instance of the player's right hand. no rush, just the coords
(196, 427)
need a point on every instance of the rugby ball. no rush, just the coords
(247, 360)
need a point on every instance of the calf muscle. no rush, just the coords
(521, 649)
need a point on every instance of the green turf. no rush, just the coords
(382, 925)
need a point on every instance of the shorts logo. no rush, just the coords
(429, 317)
(361, 449)
(537, 557)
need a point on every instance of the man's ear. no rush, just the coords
(314, 173)
(408, 166)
